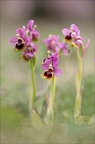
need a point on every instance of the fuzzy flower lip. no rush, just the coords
(52, 43)
(48, 74)
(20, 45)
(50, 65)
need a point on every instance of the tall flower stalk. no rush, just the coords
(78, 80)
(73, 38)
(24, 42)
(33, 99)
(52, 98)
(50, 65)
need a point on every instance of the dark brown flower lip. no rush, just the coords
(68, 37)
(20, 45)
(48, 74)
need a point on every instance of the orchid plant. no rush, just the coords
(26, 42)
(73, 38)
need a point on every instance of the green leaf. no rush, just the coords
(92, 120)
(85, 119)
(39, 104)
(40, 100)
(36, 119)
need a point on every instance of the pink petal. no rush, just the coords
(46, 64)
(20, 31)
(55, 59)
(30, 24)
(79, 37)
(65, 52)
(79, 42)
(73, 35)
(66, 31)
(13, 41)
(57, 72)
(78, 32)
(74, 28)
(36, 34)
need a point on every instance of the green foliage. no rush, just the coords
(16, 129)
(10, 118)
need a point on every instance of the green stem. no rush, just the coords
(51, 101)
(78, 87)
(33, 82)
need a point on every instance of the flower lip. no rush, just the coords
(48, 74)
(68, 37)
(50, 65)
(20, 45)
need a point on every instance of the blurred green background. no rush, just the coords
(50, 17)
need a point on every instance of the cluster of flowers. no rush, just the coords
(26, 36)
(50, 65)
(72, 38)
(24, 40)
